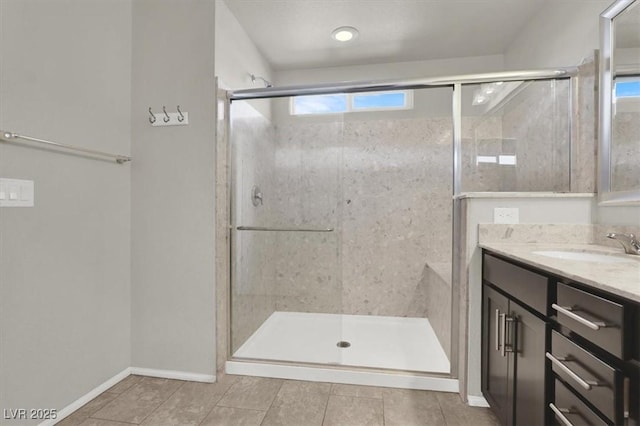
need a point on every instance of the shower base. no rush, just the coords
(407, 345)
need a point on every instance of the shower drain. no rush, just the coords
(343, 344)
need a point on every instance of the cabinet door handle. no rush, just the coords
(503, 333)
(560, 414)
(566, 310)
(497, 329)
(511, 333)
(586, 384)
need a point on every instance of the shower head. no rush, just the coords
(266, 82)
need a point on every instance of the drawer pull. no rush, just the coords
(560, 414)
(586, 384)
(503, 333)
(497, 329)
(567, 310)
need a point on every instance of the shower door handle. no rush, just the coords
(266, 229)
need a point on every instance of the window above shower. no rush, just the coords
(351, 102)
(628, 87)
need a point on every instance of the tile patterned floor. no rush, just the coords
(253, 401)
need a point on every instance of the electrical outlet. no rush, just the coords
(506, 215)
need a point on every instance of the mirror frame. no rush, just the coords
(606, 196)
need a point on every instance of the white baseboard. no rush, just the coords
(170, 374)
(66, 411)
(477, 401)
(149, 372)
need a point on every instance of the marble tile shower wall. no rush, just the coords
(537, 121)
(385, 186)
(396, 211)
(584, 129)
(252, 296)
(307, 175)
(625, 149)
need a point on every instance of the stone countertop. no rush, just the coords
(621, 279)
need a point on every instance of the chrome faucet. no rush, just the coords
(629, 242)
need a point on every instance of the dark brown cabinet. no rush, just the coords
(497, 367)
(555, 351)
(513, 359)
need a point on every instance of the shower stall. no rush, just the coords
(343, 218)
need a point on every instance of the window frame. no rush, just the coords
(408, 103)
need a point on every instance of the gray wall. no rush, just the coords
(562, 33)
(173, 326)
(65, 300)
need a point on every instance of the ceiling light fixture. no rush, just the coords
(344, 34)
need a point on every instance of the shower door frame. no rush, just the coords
(459, 320)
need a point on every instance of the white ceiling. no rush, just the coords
(297, 33)
(627, 26)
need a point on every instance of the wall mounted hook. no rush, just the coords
(169, 118)
(152, 119)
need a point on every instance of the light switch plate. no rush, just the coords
(16, 193)
(506, 215)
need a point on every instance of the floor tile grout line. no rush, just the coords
(118, 395)
(233, 408)
(219, 399)
(226, 392)
(89, 416)
(272, 401)
(163, 402)
(121, 392)
(217, 403)
(110, 402)
(444, 417)
(359, 396)
(324, 414)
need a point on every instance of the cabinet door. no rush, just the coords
(529, 355)
(496, 376)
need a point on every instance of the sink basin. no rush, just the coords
(583, 256)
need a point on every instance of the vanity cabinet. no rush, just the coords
(592, 353)
(514, 341)
(556, 351)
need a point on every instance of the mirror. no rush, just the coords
(619, 154)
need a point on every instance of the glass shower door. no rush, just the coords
(286, 284)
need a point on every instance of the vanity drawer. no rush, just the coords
(598, 320)
(583, 371)
(528, 287)
(572, 408)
